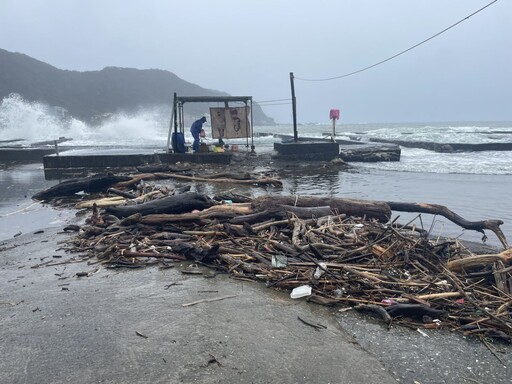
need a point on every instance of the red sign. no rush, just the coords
(334, 114)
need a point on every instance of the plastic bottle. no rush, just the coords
(319, 271)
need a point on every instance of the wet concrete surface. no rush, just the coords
(131, 326)
(441, 356)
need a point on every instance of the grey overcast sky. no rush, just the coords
(249, 47)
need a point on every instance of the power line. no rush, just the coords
(401, 53)
(270, 101)
(272, 104)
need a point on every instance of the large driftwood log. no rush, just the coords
(136, 179)
(116, 200)
(282, 212)
(234, 197)
(480, 261)
(380, 210)
(307, 212)
(261, 181)
(182, 203)
(101, 203)
(434, 209)
(258, 217)
(198, 216)
(371, 209)
(117, 192)
(94, 183)
(229, 175)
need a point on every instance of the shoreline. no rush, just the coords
(460, 193)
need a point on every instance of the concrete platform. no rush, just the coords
(321, 151)
(24, 155)
(21, 151)
(77, 162)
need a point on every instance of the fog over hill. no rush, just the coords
(86, 95)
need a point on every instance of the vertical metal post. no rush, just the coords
(294, 109)
(56, 143)
(252, 126)
(180, 118)
(173, 117)
(247, 121)
(175, 113)
(333, 137)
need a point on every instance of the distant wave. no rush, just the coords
(420, 160)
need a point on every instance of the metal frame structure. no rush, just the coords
(178, 120)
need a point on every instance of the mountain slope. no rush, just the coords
(87, 94)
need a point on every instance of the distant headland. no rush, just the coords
(89, 94)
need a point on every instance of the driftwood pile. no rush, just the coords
(346, 250)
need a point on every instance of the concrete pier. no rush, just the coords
(78, 163)
(348, 151)
(131, 160)
(21, 151)
(24, 155)
(321, 151)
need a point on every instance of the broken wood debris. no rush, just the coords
(310, 324)
(208, 300)
(141, 335)
(363, 259)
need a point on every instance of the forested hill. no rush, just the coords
(92, 93)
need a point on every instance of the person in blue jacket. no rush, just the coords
(195, 130)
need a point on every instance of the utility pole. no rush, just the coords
(294, 109)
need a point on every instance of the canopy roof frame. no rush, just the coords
(177, 117)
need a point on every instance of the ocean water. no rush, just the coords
(476, 185)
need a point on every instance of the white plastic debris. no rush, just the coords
(302, 291)
(320, 270)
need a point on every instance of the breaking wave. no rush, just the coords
(34, 121)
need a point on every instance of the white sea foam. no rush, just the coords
(445, 133)
(142, 129)
(421, 160)
(34, 122)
